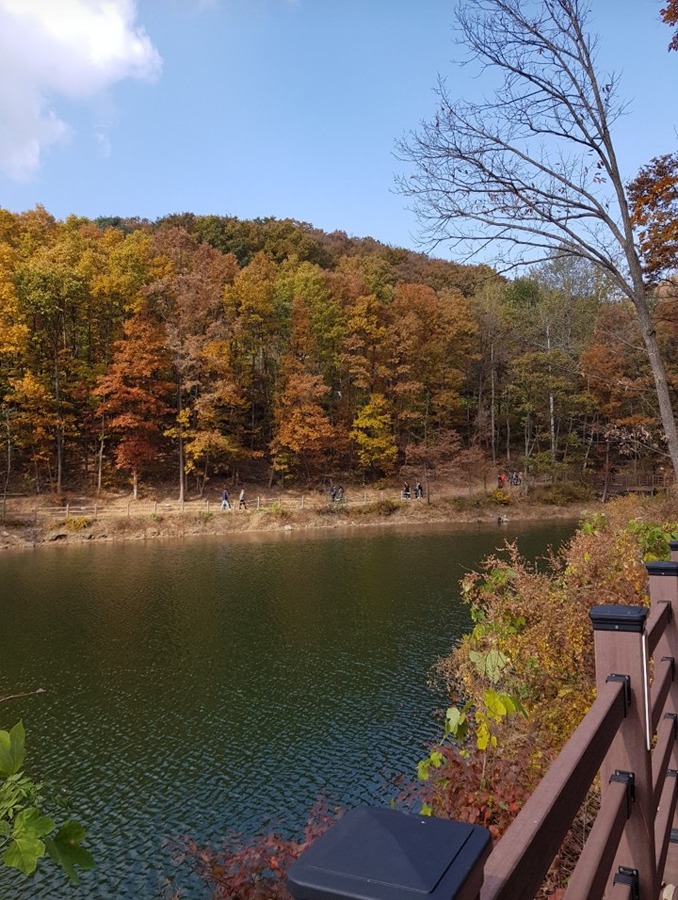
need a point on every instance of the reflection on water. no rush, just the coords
(216, 684)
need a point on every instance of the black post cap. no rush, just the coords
(662, 568)
(673, 545)
(385, 854)
(611, 617)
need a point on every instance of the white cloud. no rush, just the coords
(74, 49)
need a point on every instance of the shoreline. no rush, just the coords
(115, 521)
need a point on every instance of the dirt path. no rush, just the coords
(30, 522)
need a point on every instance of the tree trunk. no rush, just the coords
(59, 425)
(660, 382)
(100, 460)
(5, 486)
(492, 402)
(552, 414)
(182, 473)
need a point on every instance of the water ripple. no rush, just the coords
(211, 686)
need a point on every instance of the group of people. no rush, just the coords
(513, 478)
(336, 494)
(418, 491)
(226, 502)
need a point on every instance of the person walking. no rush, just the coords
(225, 502)
(241, 501)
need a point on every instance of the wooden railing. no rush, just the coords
(628, 739)
(26, 511)
(628, 483)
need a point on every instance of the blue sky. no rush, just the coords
(285, 108)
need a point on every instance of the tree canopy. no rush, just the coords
(141, 352)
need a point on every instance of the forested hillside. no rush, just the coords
(202, 345)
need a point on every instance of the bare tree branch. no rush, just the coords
(532, 171)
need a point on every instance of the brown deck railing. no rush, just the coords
(629, 737)
(633, 747)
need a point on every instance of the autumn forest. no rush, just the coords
(201, 346)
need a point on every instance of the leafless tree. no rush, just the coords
(532, 171)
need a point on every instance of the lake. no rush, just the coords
(217, 684)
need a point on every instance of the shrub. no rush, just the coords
(386, 507)
(77, 523)
(333, 509)
(279, 510)
(563, 494)
(256, 869)
(472, 501)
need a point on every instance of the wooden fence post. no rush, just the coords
(621, 652)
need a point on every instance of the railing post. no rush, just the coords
(620, 650)
(663, 588)
(379, 854)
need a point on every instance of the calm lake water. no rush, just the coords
(210, 685)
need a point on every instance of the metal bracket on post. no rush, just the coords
(672, 660)
(673, 716)
(627, 689)
(629, 877)
(627, 778)
(670, 606)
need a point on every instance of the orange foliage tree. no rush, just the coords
(134, 396)
(654, 205)
(304, 434)
(669, 15)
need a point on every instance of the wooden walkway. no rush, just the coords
(636, 484)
